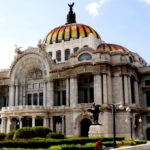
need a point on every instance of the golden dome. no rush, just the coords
(104, 47)
(69, 31)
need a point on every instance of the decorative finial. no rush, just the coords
(71, 17)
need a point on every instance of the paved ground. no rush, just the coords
(137, 147)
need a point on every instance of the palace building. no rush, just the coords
(55, 83)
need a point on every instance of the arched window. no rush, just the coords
(130, 59)
(58, 55)
(67, 54)
(75, 49)
(85, 56)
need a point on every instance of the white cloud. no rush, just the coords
(7, 52)
(94, 7)
(146, 1)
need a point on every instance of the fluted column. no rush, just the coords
(97, 89)
(105, 96)
(50, 93)
(16, 96)
(11, 95)
(73, 91)
(45, 94)
(33, 121)
(8, 124)
(67, 92)
(126, 92)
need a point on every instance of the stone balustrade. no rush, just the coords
(25, 107)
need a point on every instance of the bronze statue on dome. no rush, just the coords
(95, 110)
(71, 5)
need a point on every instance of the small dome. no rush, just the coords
(104, 47)
(68, 32)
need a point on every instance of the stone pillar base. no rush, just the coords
(95, 130)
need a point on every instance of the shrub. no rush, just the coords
(10, 135)
(25, 133)
(55, 148)
(2, 136)
(42, 131)
(55, 135)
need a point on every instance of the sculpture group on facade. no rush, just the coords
(95, 110)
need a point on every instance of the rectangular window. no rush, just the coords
(58, 98)
(91, 95)
(41, 99)
(29, 101)
(63, 97)
(148, 98)
(147, 82)
(85, 96)
(35, 99)
(148, 119)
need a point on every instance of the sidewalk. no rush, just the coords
(136, 147)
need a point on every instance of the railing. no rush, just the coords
(25, 107)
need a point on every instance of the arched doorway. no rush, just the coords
(148, 133)
(85, 123)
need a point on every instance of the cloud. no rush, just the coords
(146, 1)
(94, 7)
(7, 52)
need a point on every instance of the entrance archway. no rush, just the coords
(85, 123)
(148, 133)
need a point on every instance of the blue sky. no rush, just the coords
(123, 22)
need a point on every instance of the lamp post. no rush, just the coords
(114, 107)
(114, 125)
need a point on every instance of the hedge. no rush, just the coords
(55, 135)
(42, 131)
(2, 136)
(10, 135)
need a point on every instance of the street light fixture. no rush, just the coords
(114, 107)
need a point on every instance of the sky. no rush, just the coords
(25, 22)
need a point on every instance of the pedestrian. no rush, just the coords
(98, 145)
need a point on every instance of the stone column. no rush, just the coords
(3, 124)
(63, 124)
(51, 123)
(16, 96)
(73, 91)
(67, 92)
(136, 92)
(126, 94)
(50, 93)
(11, 95)
(105, 96)
(33, 121)
(45, 122)
(8, 124)
(109, 89)
(20, 122)
(24, 95)
(45, 94)
(97, 89)
(20, 95)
